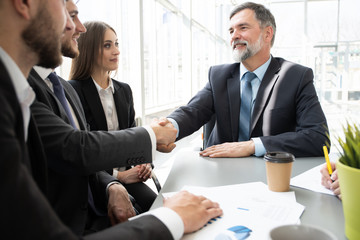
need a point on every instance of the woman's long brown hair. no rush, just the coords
(89, 44)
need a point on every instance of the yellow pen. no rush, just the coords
(327, 159)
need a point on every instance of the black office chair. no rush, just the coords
(156, 181)
(207, 129)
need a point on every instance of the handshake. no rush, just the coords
(165, 133)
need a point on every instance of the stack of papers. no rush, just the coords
(250, 211)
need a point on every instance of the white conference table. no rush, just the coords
(189, 168)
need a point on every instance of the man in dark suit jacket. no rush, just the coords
(33, 30)
(68, 191)
(286, 113)
(68, 185)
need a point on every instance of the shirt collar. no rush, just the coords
(43, 72)
(111, 85)
(18, 79)
(259, 72)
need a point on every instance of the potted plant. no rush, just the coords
(348, 167)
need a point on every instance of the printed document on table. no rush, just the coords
(250, 207)
(311, 180)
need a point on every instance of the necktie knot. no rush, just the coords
(249, 76)
(54, 79)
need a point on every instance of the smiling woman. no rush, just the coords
(108, 104)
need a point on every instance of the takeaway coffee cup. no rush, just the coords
(278, 170)
(300, 232)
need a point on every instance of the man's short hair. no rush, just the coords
(262, 14)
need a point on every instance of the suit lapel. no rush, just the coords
(37, 156)
(75, 105)
(233, 88)
(33, 157)
(264, 92)
(94, 103)
(121, 106)
(53, 101)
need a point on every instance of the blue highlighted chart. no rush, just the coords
(234, 233)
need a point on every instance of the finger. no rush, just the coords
(336, 191)
(163, 120)
(334, 176)
(112, 218)
(218, 154)
(324, 171)
(201, 198)
(146, 175)
(141, 171)
(165, 148)
(214, 212)
(335, 185)
(207, 203)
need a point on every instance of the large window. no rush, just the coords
(167, 47)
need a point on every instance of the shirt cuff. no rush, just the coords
(115, 173)
(259, 147)
(169, 218)
(152, 139)
(176, 125)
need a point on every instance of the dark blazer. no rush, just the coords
(96, 118)
(93, 109)
(21, 195)
(24, 198)
(287, 115)
(68, 192)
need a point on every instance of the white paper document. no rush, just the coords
(250, 211)
(310, 180)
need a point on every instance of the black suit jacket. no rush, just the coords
(96, 118)
(93, 109)
(68, 192)
(287, 115)
(25, 212)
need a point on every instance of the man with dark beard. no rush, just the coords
(260, 103)
(24, 25)
(69, 192)
(25, 213)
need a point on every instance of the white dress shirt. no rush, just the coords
(24, 92)
(107, 100)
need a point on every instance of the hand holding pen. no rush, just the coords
(329, 177)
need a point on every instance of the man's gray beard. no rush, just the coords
(241, 56)
(250, 51)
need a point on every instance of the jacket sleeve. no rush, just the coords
(87, 152)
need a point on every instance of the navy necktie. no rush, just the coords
(245, 107)
(60, 94)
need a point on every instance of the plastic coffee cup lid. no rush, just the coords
(279, 157)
